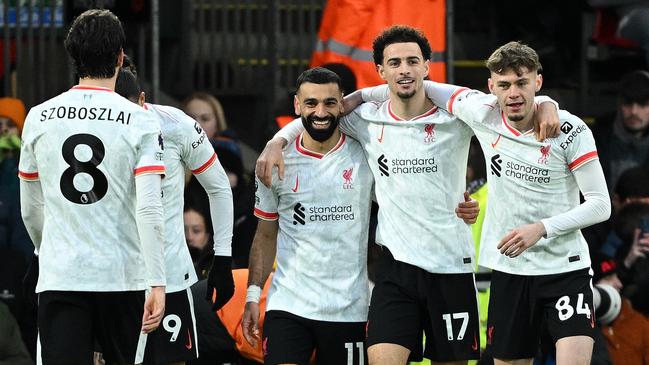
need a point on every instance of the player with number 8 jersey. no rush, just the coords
(90, 168)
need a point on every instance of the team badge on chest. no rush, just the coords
(429, 129)
(347, 176)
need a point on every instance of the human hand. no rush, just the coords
(521, 238)
(639, 248)
(154, 308)
(546, 123)
(220, 283)
(468, 210)
(250, 323)
(269, 157)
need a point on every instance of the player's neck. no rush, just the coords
(108, 83)
(320, 147)
(408, 108)
(525, 124)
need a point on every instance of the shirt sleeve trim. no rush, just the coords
(265, 215)
(28, 176)
(582, 160)
(149, 170)
(451, 100)
(206, 165)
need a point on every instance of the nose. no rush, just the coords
(320, 110)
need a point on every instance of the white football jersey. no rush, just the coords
(86, 146)
(323, 207)
(528, 181)
(186, 146)
(419, 168)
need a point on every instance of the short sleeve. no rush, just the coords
(198, 153)
(27, 168)
(577, 140)
(266, 201)
(150, 155)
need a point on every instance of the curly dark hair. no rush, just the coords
(94, 42)
(400, 34)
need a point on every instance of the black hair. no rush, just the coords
(400, 34)
(634, 87)
(633, 183)
(94, 42)
(318, 75)
(346, 75)
(126, 84)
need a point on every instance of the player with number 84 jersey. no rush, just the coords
(85, 146)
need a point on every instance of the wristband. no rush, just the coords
(253, 294)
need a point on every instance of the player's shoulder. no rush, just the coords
(371, 110)
(570, 125)
(175, 121)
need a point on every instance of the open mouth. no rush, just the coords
(406, 81)
(320, 123)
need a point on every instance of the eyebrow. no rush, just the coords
(331, 98)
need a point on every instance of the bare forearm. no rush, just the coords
(262, 257)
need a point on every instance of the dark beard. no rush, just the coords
(320, 135)
(406, 95)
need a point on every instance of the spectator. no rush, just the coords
(12, 231)
(208, 111)
(12, 348)
(633, 266)
(632, 186)
(627, 334)
(198, 233)
(623, 139)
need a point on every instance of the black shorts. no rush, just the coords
(71, 323)
(292, 339)
(408, 301)
(175, 339)
(520, 305)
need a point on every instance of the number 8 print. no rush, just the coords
(100, 183)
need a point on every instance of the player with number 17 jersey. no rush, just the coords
(85, 146)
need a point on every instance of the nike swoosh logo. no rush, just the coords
(381, 136)
(297, 184)
(189, 340)
(493, 144)
(474, 347)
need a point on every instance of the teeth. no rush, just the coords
(320, 123)
(402, 82)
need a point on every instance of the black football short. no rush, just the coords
(408, 301)
(520, 305)
(70, 324)
(290, 339)
(175, 339)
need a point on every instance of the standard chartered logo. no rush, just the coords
(302, 214)
(298, 214)
(383, 167)
(495, 165)
(406, 165)
(519, 171)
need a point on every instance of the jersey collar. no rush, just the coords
(513, 130)
(396, 117)
(307, 152)
(85, 87)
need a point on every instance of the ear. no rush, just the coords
(490, 84)
(120, 58)
(539, 82)
(296, 105)
(142, 99)
(381, 71)
(427, 66)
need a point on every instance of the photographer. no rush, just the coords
(621, 287)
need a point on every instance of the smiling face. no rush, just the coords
(320, 106)
(404, 69)
(515, 92)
